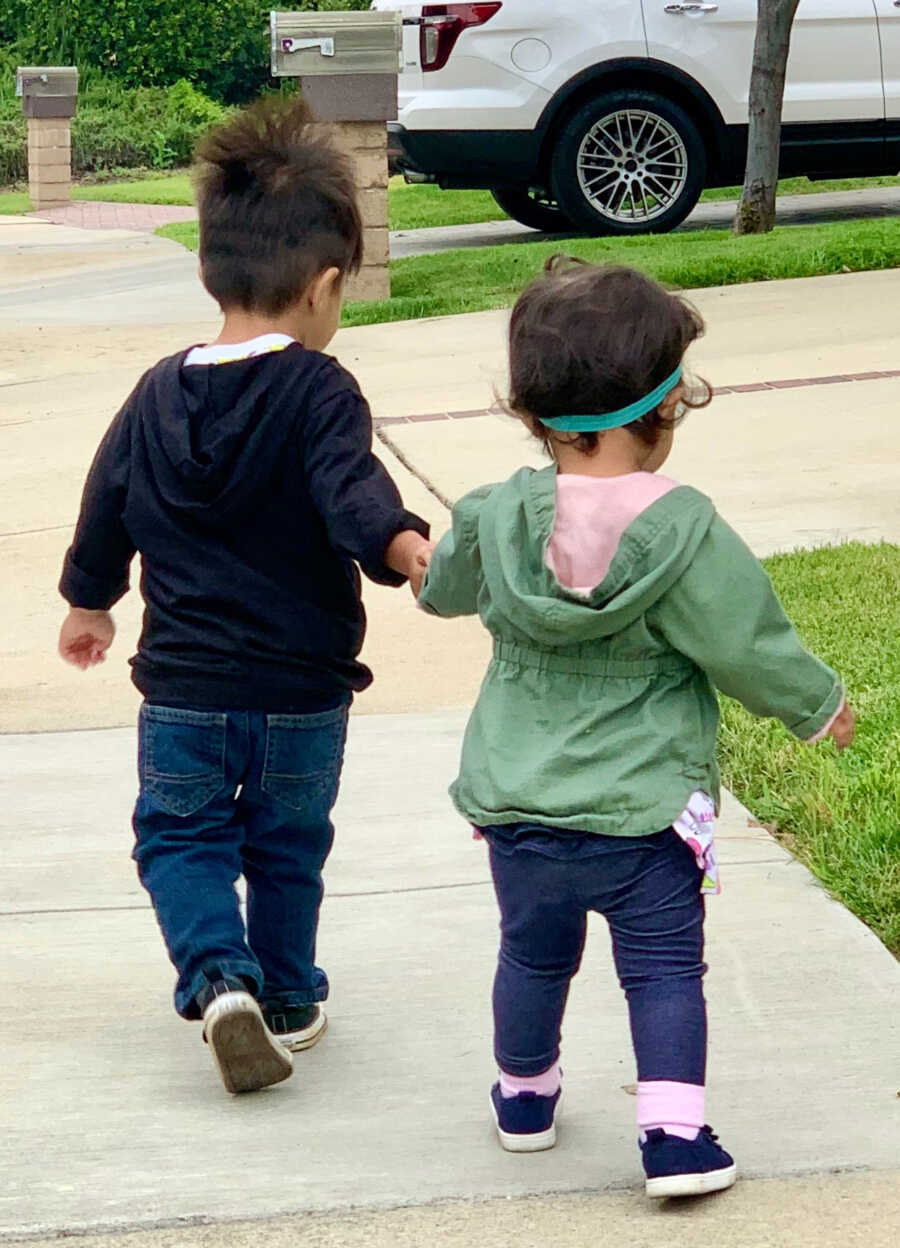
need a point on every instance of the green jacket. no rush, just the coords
(600, 713)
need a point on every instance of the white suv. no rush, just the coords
(613, 115)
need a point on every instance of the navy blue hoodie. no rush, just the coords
(251, 492)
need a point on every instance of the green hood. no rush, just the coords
(515, 527)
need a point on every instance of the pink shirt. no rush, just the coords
(592, 513)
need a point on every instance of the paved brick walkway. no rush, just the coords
(97, 215)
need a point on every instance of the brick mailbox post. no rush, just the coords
(49, 98)
(347, 64)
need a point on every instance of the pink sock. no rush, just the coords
(678, 1108)
(546, 1084)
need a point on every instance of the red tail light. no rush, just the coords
(442, 25)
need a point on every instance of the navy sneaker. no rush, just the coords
(297, 1027)
(677, 1167)
(247, 1054)
(525, 1123)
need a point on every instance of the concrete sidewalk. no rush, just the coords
(114, 1117)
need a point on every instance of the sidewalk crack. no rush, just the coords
(410, 467)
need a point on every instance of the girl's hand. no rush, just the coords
(843, 728)
(85, 637)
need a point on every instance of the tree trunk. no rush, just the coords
(756, 211)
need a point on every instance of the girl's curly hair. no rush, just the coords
(585, 340)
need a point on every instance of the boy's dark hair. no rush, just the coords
(277, 205)
(585, 340)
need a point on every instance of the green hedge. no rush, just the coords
(114, 128)
(221, 46)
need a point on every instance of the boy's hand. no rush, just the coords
(420, 567)
(409, 554)
(843, 728)
(85, 637)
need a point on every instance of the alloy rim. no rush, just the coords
(632, 166)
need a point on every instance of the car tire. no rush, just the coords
(628, 162)
(526, 208)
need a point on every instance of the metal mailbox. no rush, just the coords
(307, 44)
(47, 90)
(347, 62)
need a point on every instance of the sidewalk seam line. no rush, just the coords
(378, 892)
(411, 468)
(751, 387)
(333, 896)
(51, 528)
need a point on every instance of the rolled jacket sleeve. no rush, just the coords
(96, 569)
(353, 492)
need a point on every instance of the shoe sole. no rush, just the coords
(247, 1055)
(535, 1142)
(691, 1184)
(297, 1041)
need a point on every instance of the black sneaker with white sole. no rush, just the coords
(678, 1167)
(297, 1027)
(247, 1055)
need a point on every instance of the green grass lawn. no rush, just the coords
(416, 207)
(839, 813)
(160, 189)
(411, 207)
(803, 186)
(12, 203)
(172, 189)
(491, 277)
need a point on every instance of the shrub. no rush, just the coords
(114, 127)
(221, 47)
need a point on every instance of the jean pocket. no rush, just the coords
(303, 759)
(181, 757)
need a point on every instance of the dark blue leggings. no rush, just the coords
(648, 890)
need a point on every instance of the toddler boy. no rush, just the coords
(243, 473)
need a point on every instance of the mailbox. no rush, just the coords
(47, 91)
(304, 44)
(348, 65)
(347, 62)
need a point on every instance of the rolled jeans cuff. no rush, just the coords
(294, 997)
(186, 999)
(526, 1067)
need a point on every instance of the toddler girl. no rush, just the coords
(618, 601)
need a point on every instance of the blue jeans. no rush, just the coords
(230, 793)
(648, 889)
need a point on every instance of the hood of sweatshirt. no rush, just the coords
(515, 526)
(214, 432)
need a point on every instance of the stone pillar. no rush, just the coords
(347, 64)
(49, 161)
(49, 95)
(366, 143)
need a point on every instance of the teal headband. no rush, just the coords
(615, 420)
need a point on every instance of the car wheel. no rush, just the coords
(629, 162)
(532, 209)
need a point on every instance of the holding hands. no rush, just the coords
(410, 554)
